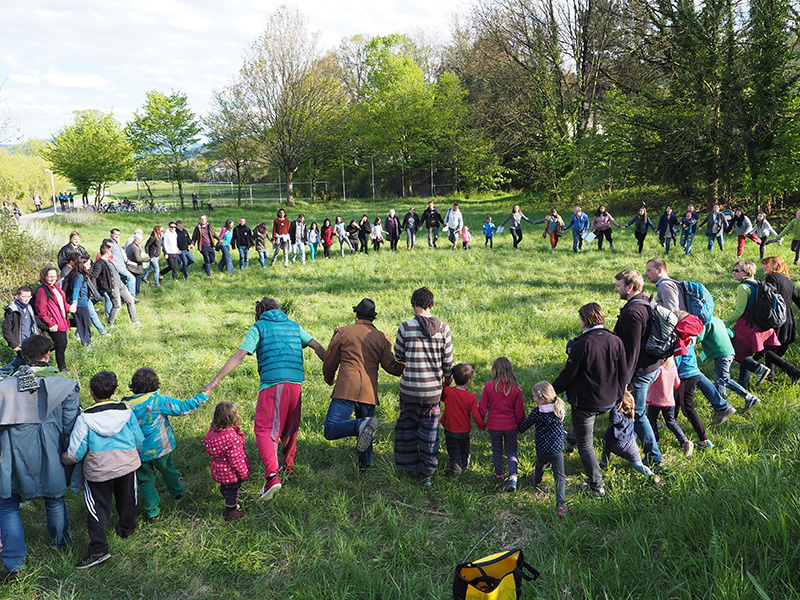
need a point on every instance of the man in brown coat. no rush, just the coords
(203, 238)
(356, 351)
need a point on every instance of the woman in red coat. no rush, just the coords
(50, 303)
(326, 235)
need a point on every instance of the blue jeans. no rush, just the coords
(640, 384)
(577, 242)
(301, 248)
(155, 270)
(722, 378)
(338, 423)
(747, 367)
(244, 261)
(187, 260)
(13, 536)
(263, 257)
(95, 319)
(226, 262)
(686, 241)
(129, 280)
(715, 399)
(719, 240)
(12, 366)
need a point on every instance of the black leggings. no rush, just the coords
(516, 234)
(60, 340)
(639, 238)
(606, 233)
(684, 398)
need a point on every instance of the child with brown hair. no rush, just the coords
(229, 463)
(459, 405)
(547, 418)
(621, 440)
(502, 399)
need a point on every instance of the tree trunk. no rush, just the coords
(149, 191)
(238, 168)
(290, 186)
(180, 190)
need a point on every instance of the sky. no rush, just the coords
(57, 57)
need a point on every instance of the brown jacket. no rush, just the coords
(197, 239)
(357, 350)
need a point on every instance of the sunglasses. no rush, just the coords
(738, 270)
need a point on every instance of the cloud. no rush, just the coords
(26, 79)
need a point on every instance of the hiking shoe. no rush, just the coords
(723, 415)
(233, 514)
(512, 485)
(92, 560)
(750, 401)
(271, 487)
(762, 375)
(688, 448)
(599, 492)
(705, 446)
(365, 433)
(496, 477)
(562, 511)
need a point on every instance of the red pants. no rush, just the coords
(277, 418)
(553, 240)
(752, 235)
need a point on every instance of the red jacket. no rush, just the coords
(229, 461)
(326, 235)
(459, 405)
(505, 412)
(48, 309)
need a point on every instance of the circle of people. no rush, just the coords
(645, 369)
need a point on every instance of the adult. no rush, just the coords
(793, 229)
(668, 295)
(203, 238)
(579, 223)
(37, 202)
(777, 274)
(135, 260)
(78, 286)
(73, 246)
(364, 231)
(280, 237)
(153, 248)
(225, 237)
(553, 227)
(667, 228)
(602, 222)
(716, 224)
(172, 251)
(298, 237)
(129, 241)
(185, 246)
(110, 286)
(432, 219)
(424, 344)
(764, 230)
(37, 414)
(742, 226)
(515, 228)
(194, 201)
(340, 230)
(392, 225)
(50, 305)
(688, 223)
(120, 262)
(641, 368)
(594, 378)
(278, 344)
(411, 225)
(642, 223)
(243, 240)
(454, 222)
(748, 338)
(357, 351)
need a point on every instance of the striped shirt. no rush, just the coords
(428, 358)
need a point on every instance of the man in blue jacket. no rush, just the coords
(37, 415)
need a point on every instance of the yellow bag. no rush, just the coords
(495, 577)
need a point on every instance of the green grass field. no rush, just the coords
(724, 524)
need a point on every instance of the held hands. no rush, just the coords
(208, 388)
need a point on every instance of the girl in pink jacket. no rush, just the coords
(502, 399)
(230, 465)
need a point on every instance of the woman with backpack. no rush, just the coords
(50, 305)
(777, 274)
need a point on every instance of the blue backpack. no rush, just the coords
(698, 300)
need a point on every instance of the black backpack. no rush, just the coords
(766, 307)
(662, 337)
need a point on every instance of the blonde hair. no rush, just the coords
(748, 267)
(545, 391)
(627, 406)
(503, 376)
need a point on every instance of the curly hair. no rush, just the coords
(144, 380)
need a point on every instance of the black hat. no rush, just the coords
(365, 308)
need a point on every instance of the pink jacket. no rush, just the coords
(505, 412)
(229, 461)
(661, 392)
(48, 308)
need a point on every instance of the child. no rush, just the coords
(313, 239)
(376, 233)
(661, 400)
(152, 410)
(459, 404)
(230, 465)
(621, 440)
(547, 417)
(488, 231)
(466, 237)
(688, 328)
(108, 437)
(502, 399)
(19, 323)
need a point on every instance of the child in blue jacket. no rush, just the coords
(152, 409)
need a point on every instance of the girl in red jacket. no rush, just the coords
(230, 465)
(502, 399)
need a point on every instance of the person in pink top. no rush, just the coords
(602, 223)
(229, 464)
(661, 401)
(502, 399)
(459, 405)
(466, 237)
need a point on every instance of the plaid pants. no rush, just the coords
(416, 438)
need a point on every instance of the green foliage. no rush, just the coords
(21, 257)
(92, 152)
(22, 175)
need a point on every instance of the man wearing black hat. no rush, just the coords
(356, 351)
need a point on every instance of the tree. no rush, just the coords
(292, 100)
(229, 138)
(164, 133)
(92, 152)
(8, 127)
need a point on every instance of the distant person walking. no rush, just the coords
(515, 228)
(579, 223)
(602, 223)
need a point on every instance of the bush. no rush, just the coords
(22, 255)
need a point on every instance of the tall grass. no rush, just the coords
(723, 524)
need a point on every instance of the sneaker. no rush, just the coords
(568, 446)
(365, 433)
(705, 446)
(750, 401)
(106, 334)
(152, 520)
(512, 485)
(283, 470)
(655, 479)
(688, 448)
(562, 511)
(496, 477)
(92, 560)
(599, 492)
(427, 483)
(762, 375)
(137, 324)
(536, 489)
(271, 487)
(723, 415)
